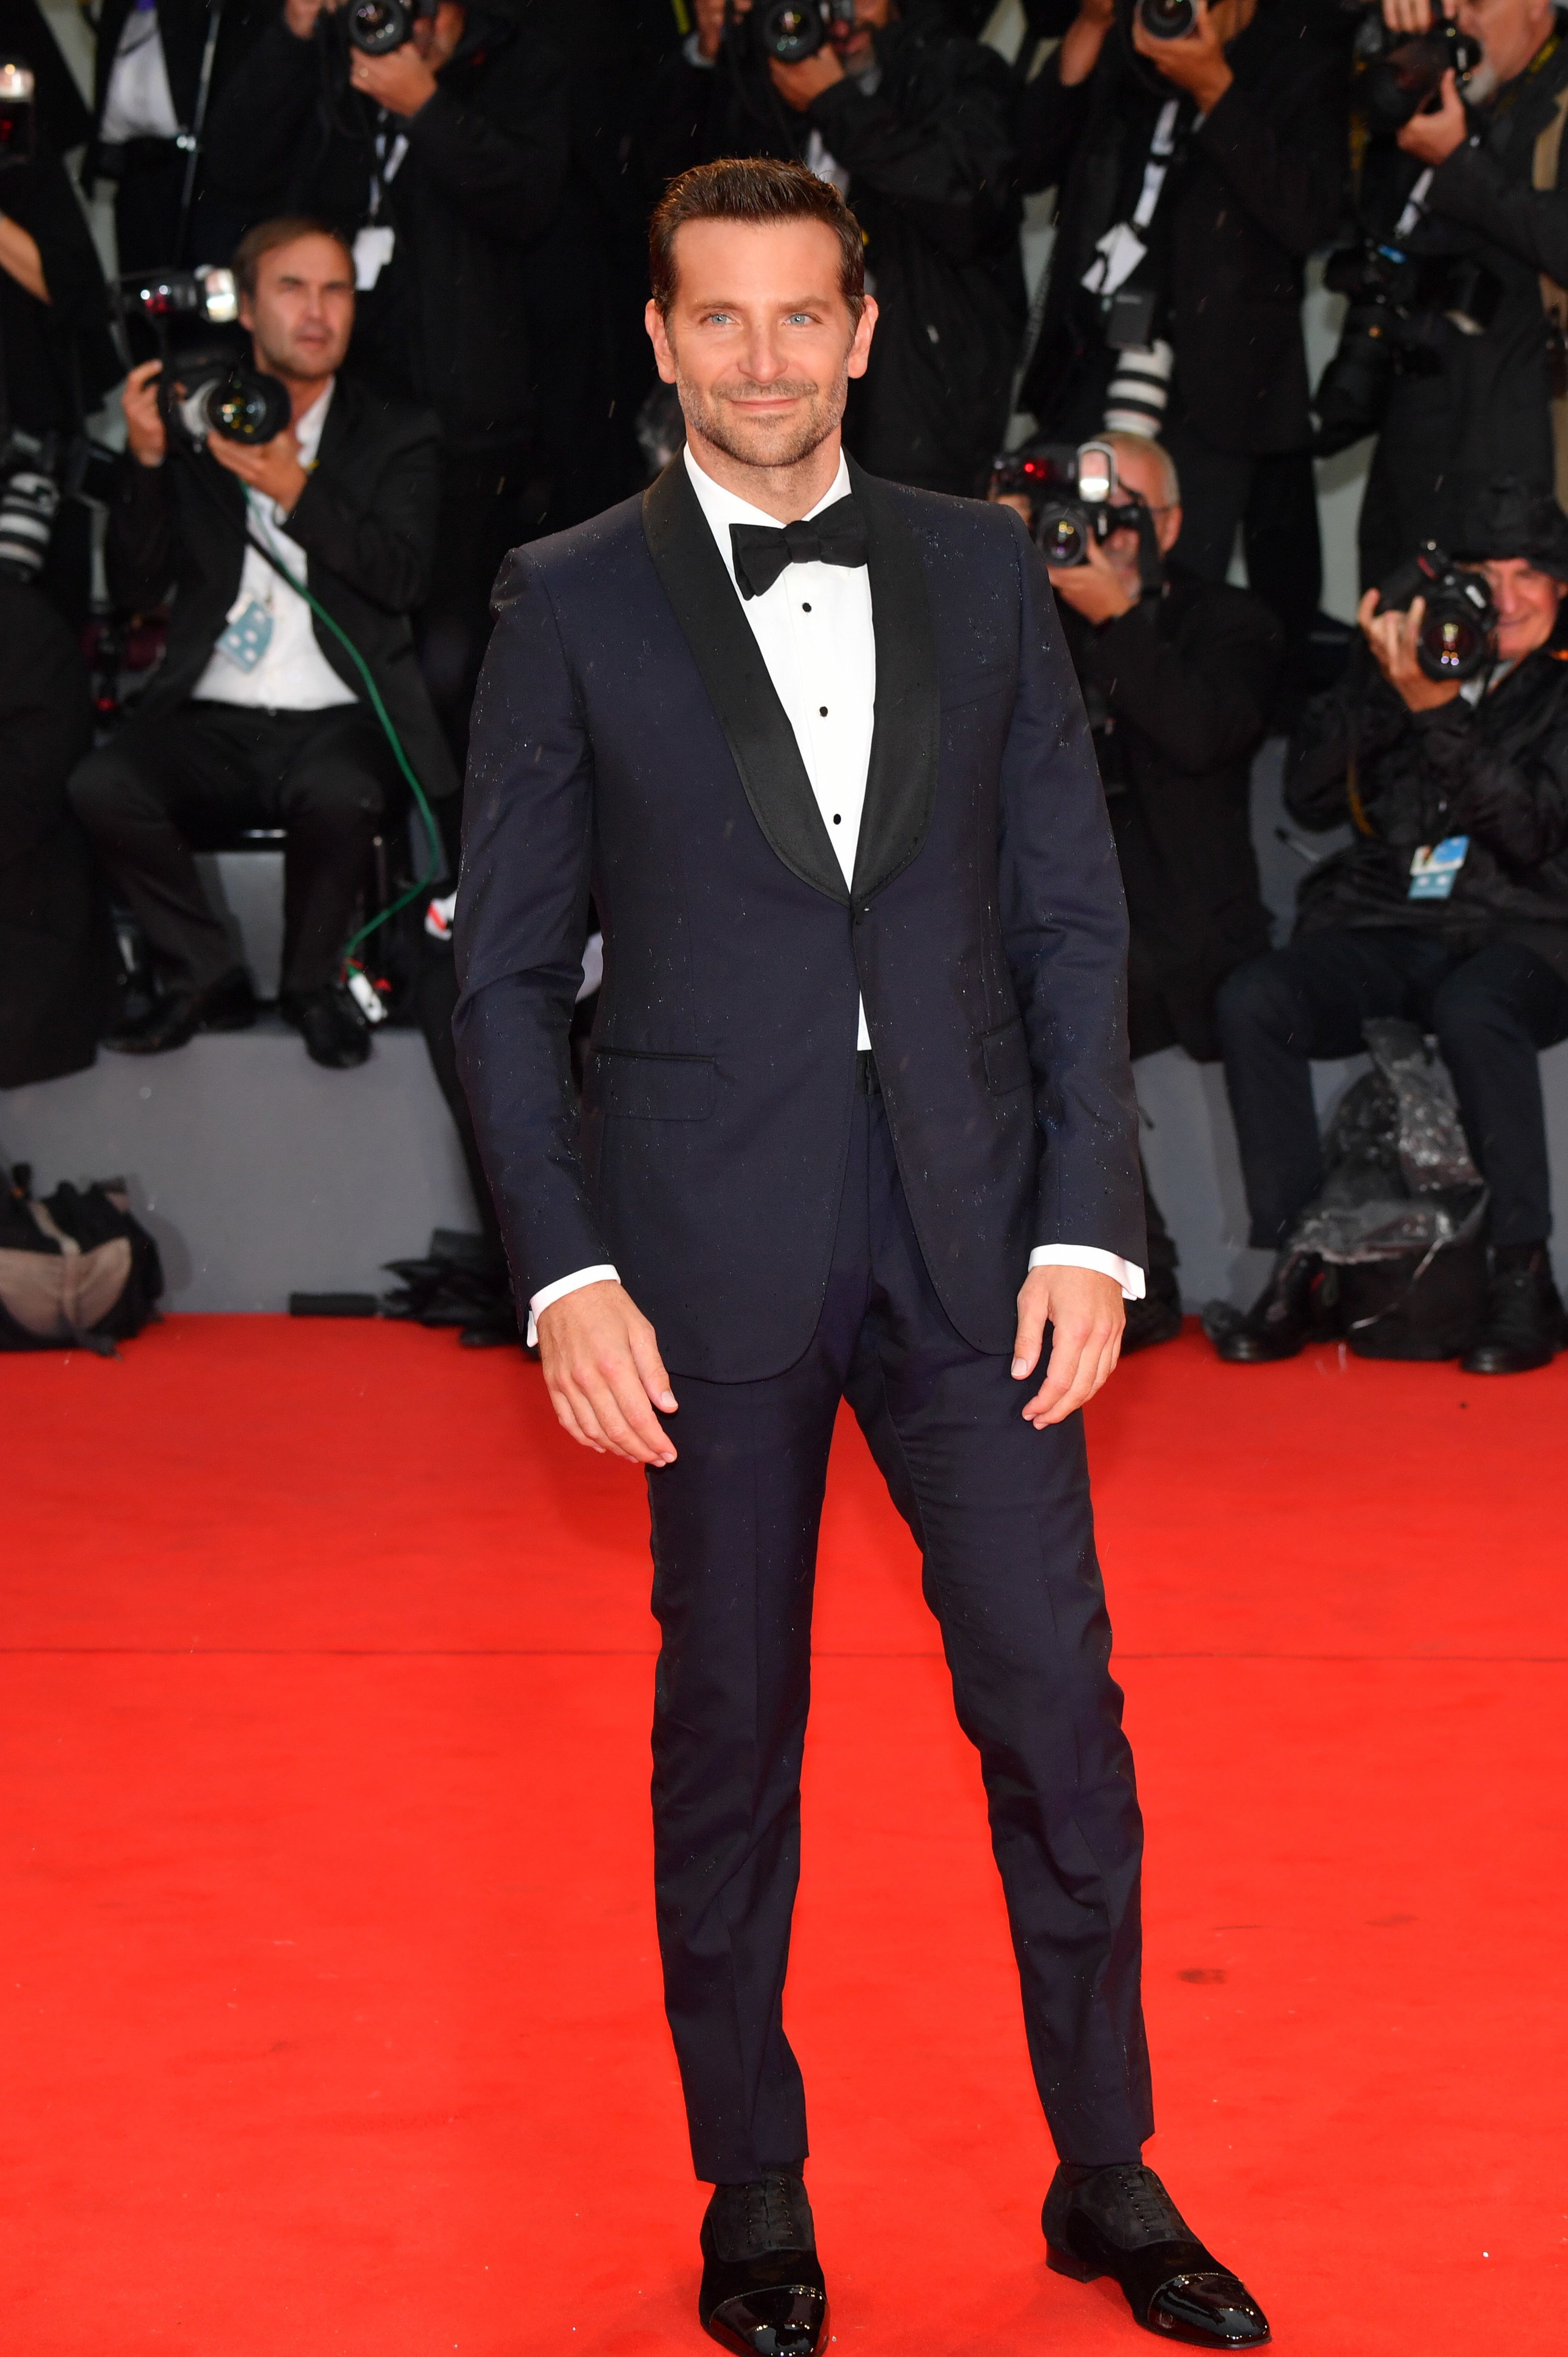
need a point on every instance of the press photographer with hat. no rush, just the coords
(1447, 746)
(259, 715)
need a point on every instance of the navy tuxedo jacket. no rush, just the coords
(627, 740)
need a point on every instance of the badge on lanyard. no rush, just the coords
(1433, 868)
(245, 641)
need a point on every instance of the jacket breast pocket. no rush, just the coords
(654, 1088)
(1006, 1058)
(970, 686)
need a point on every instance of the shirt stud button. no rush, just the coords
(823, 710)
(837, 819)
(805, 609)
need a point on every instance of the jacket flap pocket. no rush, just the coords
(655, 1088)
(1006, 1054)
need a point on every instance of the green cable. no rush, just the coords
(437, 848)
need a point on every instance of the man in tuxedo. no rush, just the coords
(858, 1124)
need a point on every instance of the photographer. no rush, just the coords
(1177, 674)
(1475, 183)
(914, 124)
(255, 716)
(55, 358)
(1449, 909)
(443, 159)
(1196, 175)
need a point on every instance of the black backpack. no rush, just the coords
(76, 1272)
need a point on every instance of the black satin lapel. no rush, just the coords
(901, 783)
(698, 587)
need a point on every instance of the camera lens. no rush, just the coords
(242, 406)
(378, 26)
(1453, 646)
(791, 29)
(1166, 20)
(1062, 534)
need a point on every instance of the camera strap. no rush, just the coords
(1118, 254)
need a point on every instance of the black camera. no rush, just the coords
(1397, 308)
(1397, 74)
(378, 27)
(793, 30)
(19, 115)
(1070, 492)
(1458, 630)
(222, 394)
(1168, 20)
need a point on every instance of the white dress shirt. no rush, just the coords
(293, 674)
(138, 104)
(815, 632)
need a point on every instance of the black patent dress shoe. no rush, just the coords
(335, 1032)
(1122, 2222)
(1523, 1326)
(762, 2285)
(1155, 1318)
(227, 1005)
(1280, 1321)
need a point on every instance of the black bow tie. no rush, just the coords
(837, 536)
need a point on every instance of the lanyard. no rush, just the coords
(384, 170)
(1162, 147)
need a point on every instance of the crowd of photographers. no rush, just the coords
(377, 318)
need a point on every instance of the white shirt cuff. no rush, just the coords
(1127, 1275)
(602, 1274)
(693, 54)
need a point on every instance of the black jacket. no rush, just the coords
(365, 524)
(933, 181)
(1254, 190)
(628, 741)
(57, 357)
(1485, 411)
(183, 25)
(54, 927)
(1498, 773)
(1177, 691)
(445, 323)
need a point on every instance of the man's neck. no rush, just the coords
(786, 494)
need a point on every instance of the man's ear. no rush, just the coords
(860, 343)
(653, 319)
(1167, 529)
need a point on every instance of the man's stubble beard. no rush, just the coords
(708, 417)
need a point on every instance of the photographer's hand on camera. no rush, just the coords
(1433, 135)
(273, 467)
(1394, 639)
(1096, 588)
(401, 82)
(1196, 62)
(1083, 40)
(147, 436)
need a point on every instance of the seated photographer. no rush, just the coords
(443, 158)
(1177, 674)
(1196, 173)
(1459, 375)
(258, 715)
(1449, 909)
(914, 124)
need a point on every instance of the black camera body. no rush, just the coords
(1458, 630)
(1069, 490)
(208, 385)
(1398, 74)
(790, 30)
(1399, 305)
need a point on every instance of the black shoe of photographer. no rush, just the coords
(1280, 1321)
(1122, 2222)
(1523, 1327)
(762, 2285)
(335, 1032)
(1155, 1318)
(227, 1005)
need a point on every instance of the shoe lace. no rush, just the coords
(770, 2214)
(1152, 2211)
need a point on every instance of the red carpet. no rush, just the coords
(333, 2021)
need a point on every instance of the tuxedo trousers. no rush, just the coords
(1002, 1515)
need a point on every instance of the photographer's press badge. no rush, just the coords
(244, 643)
(1433, 868)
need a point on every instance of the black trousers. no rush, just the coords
(1492, 1012)
(1002, 1515)
(164, 787)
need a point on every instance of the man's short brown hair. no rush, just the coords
(268, 235)
(752, 188)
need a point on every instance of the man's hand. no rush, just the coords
(1393, 638)
(300, 16)
(1410, 17)
(1085, 1312)
(271, 467)
(711, 24)
(1432, 138)
(401, 82)
(1195, 63)
(799, 86)
(145, 434)
(1083, 40)
(1094, 588)
(604, 1373)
